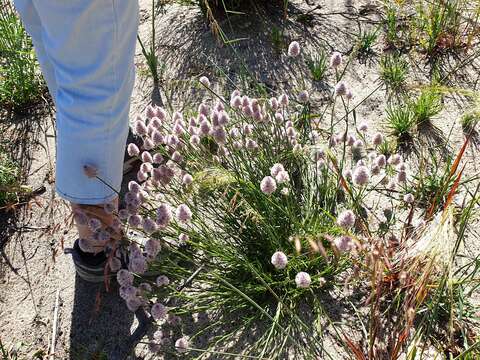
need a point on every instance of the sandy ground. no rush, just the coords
(32, 265)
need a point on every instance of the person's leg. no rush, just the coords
(91, 45)
(31, 22)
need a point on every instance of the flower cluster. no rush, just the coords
(247, 188)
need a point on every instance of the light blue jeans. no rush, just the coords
(86, 51)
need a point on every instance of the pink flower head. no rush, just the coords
(334, 140)
(219, 106)
(343, 243)
(409, 198)
(303, 96)
(157, 137)
(94, 224)
(203, 109)
(156, 123)
(124, 277)
(135, 220)
(161, 113)
(152, 247)
(361, 175)
(279, 260)
(303, 280)
(123, 214)
(134, 187)
(178, 129)
(395, 159)
(247, 110)
(351, 140)
(177, 157)
(205, 127)
(193, 130)
(147, 157)
(183, 238)
(283, 100)
(187, 179)
(358, 144)
(236, 102)
(402, 176)
(145, 287)
(294, 49)
(336, 59)
(149, 226)
(246, 101)
(375, 170)
(291, 132)
(268, 185)
(194, 140)
(164, 215)
(146, 167)
(340, 89)
(181, 345)
(192, 121)
(276, 168)
(234, 93)
(257, 115)
(133, 149)
(204, 81)
(273, 102)
(162, 280)
(138, 264)
(148, 144)
(377, 139)
(157, 158)
(183, 213)
(247, 129)
(150, 112)
(346, 219)
(363, 127)
(127, 292)
(158, 311)
(251, 144)
(279, 118)
(139, 127)
(381, 161)
(220, 135)
(282, 177)
(223, 118)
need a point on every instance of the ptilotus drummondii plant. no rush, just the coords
(253, 212)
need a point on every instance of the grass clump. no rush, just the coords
(442, 26)
(366, 41)
(469, 121)
(318, 65)
(400, 120)
(393, 70)
(20, 79)
(426, 106)
(9, 179)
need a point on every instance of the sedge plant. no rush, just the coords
(20, 80)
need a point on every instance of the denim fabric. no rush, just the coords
(86, 51)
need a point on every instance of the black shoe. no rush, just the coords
(89, 267)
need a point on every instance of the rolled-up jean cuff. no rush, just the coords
(86, 201)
